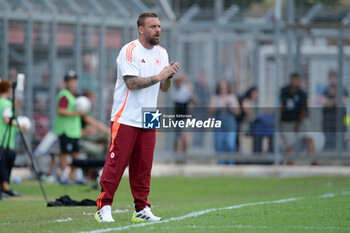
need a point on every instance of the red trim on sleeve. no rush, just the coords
(63, 103)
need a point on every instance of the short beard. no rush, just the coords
(153, 41)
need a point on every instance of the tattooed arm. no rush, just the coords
(135, 83)
(165, 85)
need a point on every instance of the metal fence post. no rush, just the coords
(4, 47)
(278, 12)
(101, 72)
(52, 64)
(29, 73)
(78, 46)
(339, 94)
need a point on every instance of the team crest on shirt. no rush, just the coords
(157, 61)
(112, 155)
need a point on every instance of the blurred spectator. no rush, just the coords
(249, 103)
(12, 77)
(201, 89)
(95, 135)
(294, 122)
(68, 127)
(183, 94)
(202, 96)
(329, 103)
(88, 79)
(224, 106)
(259, 125)
(7, 137)
(41, 107)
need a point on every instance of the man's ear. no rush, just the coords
(140, 28)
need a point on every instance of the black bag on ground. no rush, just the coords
(67, 201)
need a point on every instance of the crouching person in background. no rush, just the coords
(68, 128)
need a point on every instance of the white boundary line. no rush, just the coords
(193, 214)
(116, 211)
(202, 212)
(64, 220)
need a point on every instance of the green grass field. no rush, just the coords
(232, 204)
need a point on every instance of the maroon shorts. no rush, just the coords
(134, 147)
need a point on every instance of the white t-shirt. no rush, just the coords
(183, 94)
(136, 60)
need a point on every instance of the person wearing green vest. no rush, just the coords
(7, 139)
(68, 128)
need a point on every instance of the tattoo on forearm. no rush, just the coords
(127, 77)
(134, 82)
(164, 85)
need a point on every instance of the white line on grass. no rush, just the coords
(202, 212)
(116, 211)
(345, 193)
(64, 220)
(193, 214)
(327, 195)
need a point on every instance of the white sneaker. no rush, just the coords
(79, 176)
(64, 176)
(104, 214)
(144, 215)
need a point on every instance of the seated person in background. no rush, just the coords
(95, 135)
(7, 139)
(295, 125)
(256, 122)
